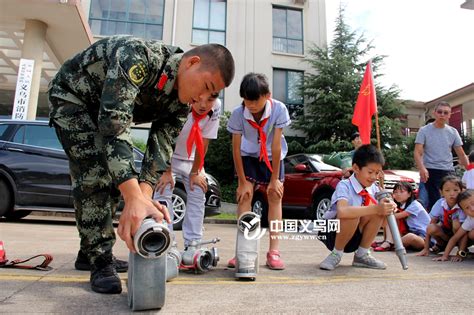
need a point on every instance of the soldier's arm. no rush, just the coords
(127, 70)
(160, 148)
(158, 154)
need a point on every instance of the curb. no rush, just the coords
(59, 215)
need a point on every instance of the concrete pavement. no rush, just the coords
(426, 287)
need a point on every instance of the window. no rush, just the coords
(288, 30)
(209, 21)
(40, 136)
(287, 88)
(143, 18)
(3, 128)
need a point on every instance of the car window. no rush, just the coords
(19, 135)
(3, 128)
(41, 136)
(320, 166)
(290, 164)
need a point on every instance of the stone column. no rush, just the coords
(33, 44)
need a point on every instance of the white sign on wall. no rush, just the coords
(23, 86)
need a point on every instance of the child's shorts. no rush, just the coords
(330, 240)
(419, 233)
(257, 171)
(448, 232)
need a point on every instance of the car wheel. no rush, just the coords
(6, 200)
(179, 208)
(321, 205)
(260, 207)
(17, 215)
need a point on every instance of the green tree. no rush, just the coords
(331, 92)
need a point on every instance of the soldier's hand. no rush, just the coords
(198, 179)
(164, 211)
(165, 179)
(136, 209)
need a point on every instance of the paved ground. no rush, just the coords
(427, 287)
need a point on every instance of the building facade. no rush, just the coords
(462, 109)
(266, 36)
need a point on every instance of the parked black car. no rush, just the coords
(34, 174)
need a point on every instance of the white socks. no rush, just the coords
(360, 252)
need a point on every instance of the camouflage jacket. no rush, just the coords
(118, 80)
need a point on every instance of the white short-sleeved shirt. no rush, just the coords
(209, 128)
(278, 117)
(468, 179)
(418, 219)
(349, 189)
(437, 211)
(468, 224)
(437, 145)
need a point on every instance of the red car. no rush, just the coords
(309, 185)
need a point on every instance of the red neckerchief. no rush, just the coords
(446, 216)
(263, 141)
(195, 136)
(366, 198)
(402, 224)
(470, 166)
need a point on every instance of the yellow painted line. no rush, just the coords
(260, 279)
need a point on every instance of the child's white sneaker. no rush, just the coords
(368, 261)
(331, 262)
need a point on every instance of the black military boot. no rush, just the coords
(104, 278)
(82, 263)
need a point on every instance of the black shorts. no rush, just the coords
(329, 239)
(257, 171)
(448, 232)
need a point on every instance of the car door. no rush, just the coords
(298, 185)
(40, 167)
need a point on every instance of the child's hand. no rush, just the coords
(199, 180)
(442, 258)
(386, 207)
(424, 252)
(456, 258)
(243, 189)
(165, 179)
(275, 186)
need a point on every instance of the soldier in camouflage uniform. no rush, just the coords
(93, 100)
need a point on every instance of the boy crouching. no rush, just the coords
(360, 216)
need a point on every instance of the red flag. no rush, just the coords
(366, 106)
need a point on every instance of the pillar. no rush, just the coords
(33, 48)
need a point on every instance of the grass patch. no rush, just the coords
(225, 216)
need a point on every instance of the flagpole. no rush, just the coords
(377, 133)
(377, 130)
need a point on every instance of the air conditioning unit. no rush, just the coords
(299, 1)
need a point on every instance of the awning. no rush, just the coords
(67, 33)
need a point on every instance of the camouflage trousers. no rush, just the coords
(95, 196)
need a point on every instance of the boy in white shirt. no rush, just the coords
(188, 160)
(468, 176)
